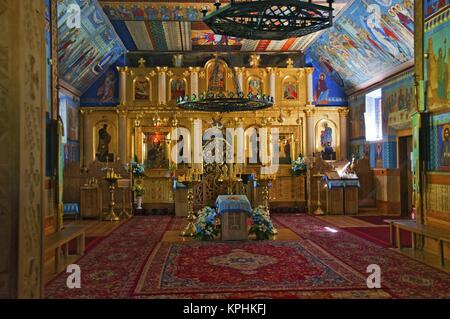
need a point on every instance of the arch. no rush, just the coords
(142, 89)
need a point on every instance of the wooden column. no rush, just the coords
(343, 119)
(309, 86)
(194, 80)
(122, 136)
(309, 130)
(22, 137)
(88, 138)
(162, 85)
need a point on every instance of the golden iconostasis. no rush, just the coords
(142, 125)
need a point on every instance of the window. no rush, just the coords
(373, 116)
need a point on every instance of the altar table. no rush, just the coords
(234, 210)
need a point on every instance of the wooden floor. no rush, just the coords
(346, 221)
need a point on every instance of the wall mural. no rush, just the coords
(326, 90)
(368, 40)
(437, 46)
(84, 54)
(433, 6)
(105, 90)
(398, 103)
(69, 114)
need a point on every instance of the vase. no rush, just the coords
(139, 202)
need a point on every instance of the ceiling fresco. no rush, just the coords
(166, 26)
(369, 41)
(85, 53)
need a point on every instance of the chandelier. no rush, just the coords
(269, 19)
(222, 101)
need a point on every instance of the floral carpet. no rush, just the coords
(132, 262)
(225, 267)
(401, 276)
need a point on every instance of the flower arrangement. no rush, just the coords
(298, 167)
(262, 226)
(205, 225)
(138, 190)
(137, 169)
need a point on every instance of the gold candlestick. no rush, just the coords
(111, 178)
(189, 230)
(319, 210)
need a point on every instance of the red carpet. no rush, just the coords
(132, 263)
(112, 267)
(225, 267)
(380, 235)
(402, 276)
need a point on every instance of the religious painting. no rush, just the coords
(254, 85)
(290, 88)
(142, 89)
(326, 137)
(321, 90)
(73, 121)
(252, 145)
(203, 39)
(357, 123)
(286, 148)
(437, 46)
(177, 88)
(444, 146)
(103, 149)
(107, 88)
(216, 75)
(367, 41)
(433, 6)
(156, 152)
(398, 103)
(84, 54)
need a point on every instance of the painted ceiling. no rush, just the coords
(371, 40)
(85, 53)
(162, 25)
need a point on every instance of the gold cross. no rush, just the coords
(254, 60)
(289, 63)
(142, 62)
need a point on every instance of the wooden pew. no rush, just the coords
(60, 240)
(395, 225)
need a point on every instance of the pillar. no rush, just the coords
(309, 130)
(272, 83)
(162, 85)
(23, 99)
(88, 149)
(122, 84)
(123, 136)
(343, 121)
(309, 86)
(194, 80)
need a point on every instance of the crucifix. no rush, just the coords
(290, 63)
(142, 62)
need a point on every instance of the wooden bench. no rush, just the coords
(61, 239)
(395, 225)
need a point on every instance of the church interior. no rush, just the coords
(187, 149)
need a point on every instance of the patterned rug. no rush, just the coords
(112, 267)
(402, 276)
(251, 267)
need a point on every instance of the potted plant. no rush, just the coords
(262, 226)
(138, 190)
(206, 227)
(298, 167)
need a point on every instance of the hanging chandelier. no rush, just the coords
(269, 19)
(223, 102)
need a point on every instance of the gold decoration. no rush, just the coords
(142, 62)
(290, 63)
(254, 60)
